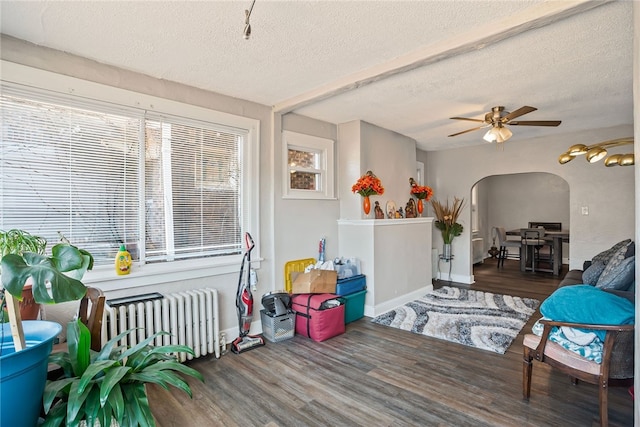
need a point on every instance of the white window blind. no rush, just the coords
(101, 175)
(193, 189)
(71, 171)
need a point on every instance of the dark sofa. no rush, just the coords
(612, 270)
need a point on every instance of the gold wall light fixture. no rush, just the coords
(596, 152)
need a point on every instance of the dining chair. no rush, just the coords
(615, 369)
(504, 245)
(532, 241)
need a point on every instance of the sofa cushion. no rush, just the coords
(631, 250)
(620, 277)
(590, 275)
(605, 256)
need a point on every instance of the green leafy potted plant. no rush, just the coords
(54, 279)
(110, 385)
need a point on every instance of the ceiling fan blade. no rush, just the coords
(519, 112)
(466, 118)
(468, 130)
(537, 123)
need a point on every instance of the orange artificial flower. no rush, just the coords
(422, 192)
(368, 185)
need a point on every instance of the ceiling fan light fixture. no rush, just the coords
(596, 154)
(491, 135)
(498, 118)
(578, 149)
(503, 134)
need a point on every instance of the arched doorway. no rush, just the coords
(512, 201)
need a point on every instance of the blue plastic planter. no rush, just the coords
(23, 374)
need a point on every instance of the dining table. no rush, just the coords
(557, 238)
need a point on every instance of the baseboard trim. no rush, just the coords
(373, 311)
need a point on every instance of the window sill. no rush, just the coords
(106, 278)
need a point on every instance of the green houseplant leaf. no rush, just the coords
(78, 343)
(112, 385)
(17, 269)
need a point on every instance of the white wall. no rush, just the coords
(608, 192)
(300, 224)
(389, 155)
(48, 59)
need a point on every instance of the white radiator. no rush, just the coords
(191, 317)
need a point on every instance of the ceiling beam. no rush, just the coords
(537, 16)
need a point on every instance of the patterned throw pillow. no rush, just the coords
(590, 275)
(605, 256)
(620, 277)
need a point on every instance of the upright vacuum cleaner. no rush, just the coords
(244, 304)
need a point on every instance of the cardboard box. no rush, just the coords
(315, 282)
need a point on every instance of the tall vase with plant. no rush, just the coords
(420, 192)
(447, 221)
(368, 185)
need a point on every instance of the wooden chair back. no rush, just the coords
(92, 316)
(550, 226)
(91, 313)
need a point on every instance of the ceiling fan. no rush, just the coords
(497, 118)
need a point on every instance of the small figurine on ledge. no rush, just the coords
(378, 211)
(410, 210)
(399, 213)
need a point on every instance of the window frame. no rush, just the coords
(326, 150)
(47, 82)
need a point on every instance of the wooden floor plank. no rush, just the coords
(374, 375)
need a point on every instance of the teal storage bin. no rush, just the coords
(354, 306)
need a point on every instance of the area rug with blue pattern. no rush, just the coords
(472, 318)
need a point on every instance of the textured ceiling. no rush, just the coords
(403, 65)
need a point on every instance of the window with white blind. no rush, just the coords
(102, 175)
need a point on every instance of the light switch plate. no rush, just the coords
(585, 210)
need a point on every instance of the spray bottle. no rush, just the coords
(123, 261)
(321, 250)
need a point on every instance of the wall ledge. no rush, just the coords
(385, 222)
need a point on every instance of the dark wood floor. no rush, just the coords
(378, 376)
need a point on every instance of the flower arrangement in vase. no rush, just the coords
(421, 192)
(368, 185)
(447, 221)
